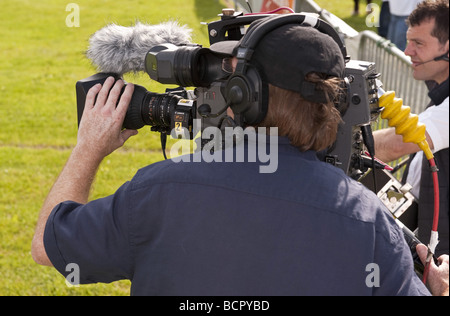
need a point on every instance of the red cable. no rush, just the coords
(434, 171)
(273, 11)
(436, 194)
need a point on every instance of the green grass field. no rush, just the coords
(41, 58)
(344, 10)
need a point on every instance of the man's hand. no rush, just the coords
(438, 275)
(99, 134)
(389, 146)
(100, 131)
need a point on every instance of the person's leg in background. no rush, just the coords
(397, 31)
(385, 17)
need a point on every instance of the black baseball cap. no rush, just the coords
(290, 52)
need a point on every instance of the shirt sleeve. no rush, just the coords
(436, 120)
(395, 261)
(94, 236)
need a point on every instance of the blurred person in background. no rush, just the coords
(385, 19)
(399, 12)
(356, 7)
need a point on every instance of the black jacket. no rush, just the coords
(426, 202)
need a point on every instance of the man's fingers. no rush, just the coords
(422, 251)
(444, 259)
(127, 133)
(91, 95)
(125, 100)
(114, 95)
(104, 92)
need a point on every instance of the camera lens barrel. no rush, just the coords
(163, 112)
(185, 65)
(153, 109)
(160, 109)
(133, 118)
(185, 61)
(170, 64)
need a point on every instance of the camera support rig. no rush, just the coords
(361, 109)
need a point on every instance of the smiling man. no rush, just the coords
(426, 39)
(428, 47)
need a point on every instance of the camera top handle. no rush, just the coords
(229, 28)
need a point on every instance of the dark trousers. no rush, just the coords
(357, 4)
(385, 17)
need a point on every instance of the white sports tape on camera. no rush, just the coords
(310, 20)
(434, 240)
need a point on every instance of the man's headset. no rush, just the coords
(443, 57)
(246, 93)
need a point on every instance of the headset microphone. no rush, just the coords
(443, 57)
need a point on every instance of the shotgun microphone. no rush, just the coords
(119, 49)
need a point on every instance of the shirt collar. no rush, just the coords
(438, 93)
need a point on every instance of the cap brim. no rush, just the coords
(224, 47)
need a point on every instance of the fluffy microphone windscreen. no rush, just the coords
(119, 49)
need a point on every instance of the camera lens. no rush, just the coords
(187, 66)
(185, 60)
(163, 112)
(160, 109)
(147, 108)
(197, 67)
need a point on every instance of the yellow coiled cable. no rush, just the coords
(405, 123)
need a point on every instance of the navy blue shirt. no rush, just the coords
(224, 228)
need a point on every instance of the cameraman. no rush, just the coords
(224, 228)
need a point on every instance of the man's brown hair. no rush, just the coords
(432, 9)
(308, 125)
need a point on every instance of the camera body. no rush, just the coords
(191, 65)
(361, 108)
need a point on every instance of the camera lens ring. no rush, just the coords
(186, 60)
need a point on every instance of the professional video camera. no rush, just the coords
(190, 65)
